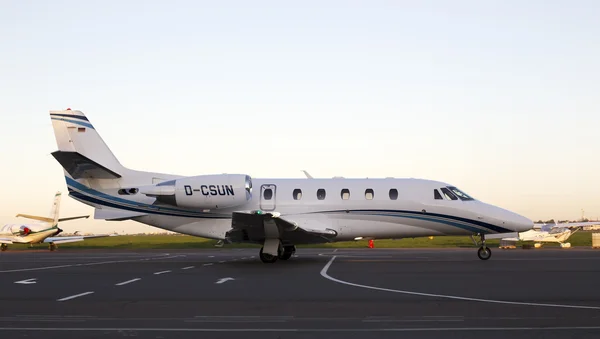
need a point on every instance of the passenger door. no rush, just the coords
(267, 197)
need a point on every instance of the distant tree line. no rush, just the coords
(551, 221)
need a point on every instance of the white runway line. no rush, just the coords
(74, 296)
(327, 276)
(26, 281)
(220, 281)
(161, 272)
(127, 282)
(88, 264)
(187, 268)
(220, 262)
(208, 264)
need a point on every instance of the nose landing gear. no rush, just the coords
(484, 252)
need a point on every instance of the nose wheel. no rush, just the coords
(484, 252)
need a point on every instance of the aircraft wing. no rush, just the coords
(256, 226)
(569, 224)
(63, 240)
(5, 241)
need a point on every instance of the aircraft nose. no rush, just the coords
(521, 223)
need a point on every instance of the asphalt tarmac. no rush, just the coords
(345, 293)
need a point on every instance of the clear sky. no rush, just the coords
(500, 98)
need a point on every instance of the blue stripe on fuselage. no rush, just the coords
(420, 214)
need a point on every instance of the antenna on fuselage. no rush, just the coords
(307, 175)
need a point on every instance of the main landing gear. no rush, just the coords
(3, 247)
(284, 253)
(52, 247)
(484, 252)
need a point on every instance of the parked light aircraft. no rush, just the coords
(44, 231)
(281, 214)
(553, 233)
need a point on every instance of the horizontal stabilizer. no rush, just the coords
(73, 218)
(81, 167)
(113, 214)
(35, 217)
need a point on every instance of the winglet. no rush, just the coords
(307, 175)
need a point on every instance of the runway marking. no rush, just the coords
(161, 272)
(211, 256)
(26, 281)
(87, 264)
(220, 262)
(425, 329)
(252, 257)
(223, 280)
(491, 301)
(74, 296)
(128, 282)
(187, 268)
(208, 264)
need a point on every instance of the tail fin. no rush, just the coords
(55, 210)
(81, 151)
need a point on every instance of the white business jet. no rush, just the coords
(549, 233)
(276, 213)
(44, 231)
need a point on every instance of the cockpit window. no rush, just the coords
(437, 195)
(462, 195)
(449, 195)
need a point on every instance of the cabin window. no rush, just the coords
(268, 194)
(449, 195)
(81, 129)
(437, 195)
(345, 194)
(369, 194)
(393, 194)
(321, 193)
(297, 194)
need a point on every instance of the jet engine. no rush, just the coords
(203, 192)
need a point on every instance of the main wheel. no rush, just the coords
(288, 251)
(484, 253)
(267, 258)
(3, 247)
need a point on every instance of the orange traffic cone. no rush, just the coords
(371, 243)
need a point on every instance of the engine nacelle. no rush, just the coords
(204, 191)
